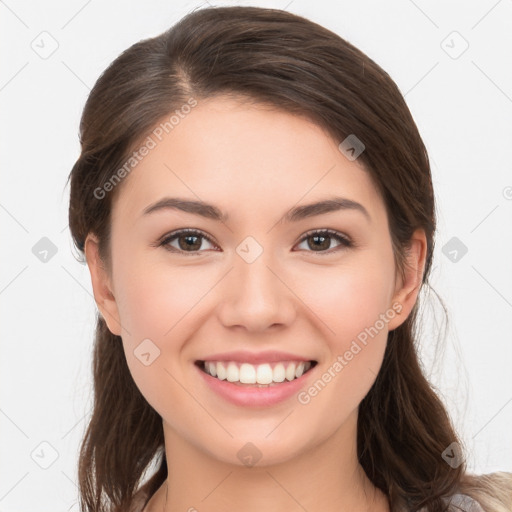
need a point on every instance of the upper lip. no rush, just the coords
(256, 357)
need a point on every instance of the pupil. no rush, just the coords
(322, 244)
(188, 244)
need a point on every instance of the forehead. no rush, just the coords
(244, 156)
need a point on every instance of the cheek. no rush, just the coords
(352, 307)
(348, 298)
(156, 307)
(154, 301)
(160, 309)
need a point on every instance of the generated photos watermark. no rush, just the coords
(151, 142)
(342, 360)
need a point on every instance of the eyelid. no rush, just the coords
(345, 241)
(168, 237)
(320, 231)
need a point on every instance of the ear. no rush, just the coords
(408, 286)
(102, 286)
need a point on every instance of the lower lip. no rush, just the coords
(255, 396)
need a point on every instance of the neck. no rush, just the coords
(327, 477)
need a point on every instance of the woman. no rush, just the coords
(255, 206)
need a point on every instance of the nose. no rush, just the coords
(256, 296)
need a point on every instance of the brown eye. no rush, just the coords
(189, 241)
(320, 241)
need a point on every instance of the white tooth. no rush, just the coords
(221, 371)
(209, 367)
(290, 371)
(278, 374)
(247, 374)
(300, 369)
(232, 373)
(264, 374)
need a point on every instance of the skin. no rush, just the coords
(254, 163)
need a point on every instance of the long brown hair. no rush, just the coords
(270, 57)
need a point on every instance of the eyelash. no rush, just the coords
(344, 241)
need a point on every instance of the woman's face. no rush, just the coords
(252, 282)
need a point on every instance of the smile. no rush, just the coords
(256, 375)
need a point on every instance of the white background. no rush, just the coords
(463, 109)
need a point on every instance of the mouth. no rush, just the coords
(262, 375)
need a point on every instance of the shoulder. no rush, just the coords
(463, 503)
(492, 491)
(454, 503)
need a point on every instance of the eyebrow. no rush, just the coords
(295, 214)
